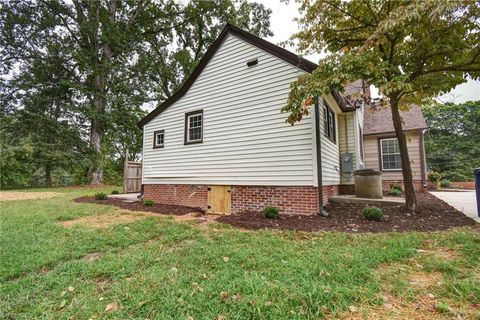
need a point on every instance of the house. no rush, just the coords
(221, 143)
(381, 150)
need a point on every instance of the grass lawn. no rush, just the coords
(65, 260)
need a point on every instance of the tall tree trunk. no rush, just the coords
(410, 197)
(48, 175)
(97, 129)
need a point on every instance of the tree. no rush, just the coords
(452, 142)
(115, 57)
(410, 50)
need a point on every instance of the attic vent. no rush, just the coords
(252, 62)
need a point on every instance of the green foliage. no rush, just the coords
(270, 212)
(148, 202)
(115, 192)
(412, 51)
(76, 76)
(395, 186)
(121, 254)
(394, 192)
(442, 307)
(101, 196)
(445, 183)
(372, 213)
(452, 143)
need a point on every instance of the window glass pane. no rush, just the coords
(194, 127)
(390, 155)
(195, 134)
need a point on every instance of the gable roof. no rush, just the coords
(269, 47)
(379, 120)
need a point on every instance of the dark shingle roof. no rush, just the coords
(379, 120)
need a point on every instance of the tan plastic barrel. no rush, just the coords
(368, 184)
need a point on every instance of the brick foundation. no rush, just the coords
(179, 194)
(350, 188)
(290, 200)
(417, 185)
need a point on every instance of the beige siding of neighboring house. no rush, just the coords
(372, 155)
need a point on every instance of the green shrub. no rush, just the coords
(445, 183)
(270, 212)
(372, 213)
(435, 177)
(394, 192)
(115, 192)
(395, 186)
(148, 202)
(101, 196)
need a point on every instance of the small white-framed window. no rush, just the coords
(194, 127)
(390, 155)
(158, 138)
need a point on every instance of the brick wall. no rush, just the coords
(179, 194)
(290, 200)
(417, 184)
(350, 188)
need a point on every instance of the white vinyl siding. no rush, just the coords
(330, 149)
(245, 138)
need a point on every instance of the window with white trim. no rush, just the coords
(158, 139)
(194, 127)
(390, 154)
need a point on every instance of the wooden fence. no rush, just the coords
(132, 176)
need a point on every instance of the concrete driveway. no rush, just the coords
(464, 201)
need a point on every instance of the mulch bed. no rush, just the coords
(139, 206)
(432, 215)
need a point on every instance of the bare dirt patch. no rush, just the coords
(92, 256)
(104, 220)
(19, 195)
(139, 206)
(424, 280)
(432, 215)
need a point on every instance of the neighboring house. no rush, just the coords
(222, 144)
(381, 147)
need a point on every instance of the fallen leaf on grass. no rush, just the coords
(225, 259)
(111, 307)
(71, 289)
(173, 269)
(236, 297)
(352, 309)
(223, 295)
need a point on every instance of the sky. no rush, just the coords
(283, 26)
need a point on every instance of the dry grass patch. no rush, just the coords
(105, 220)
(18, 195)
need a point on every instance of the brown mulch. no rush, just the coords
(138, 206)
(432, 215)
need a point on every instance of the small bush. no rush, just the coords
(395, 186)
(115, 192)
(445, 183)
(372, 213)
(394, 192)
(101, 196)
(270, 212)
(148, 202)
